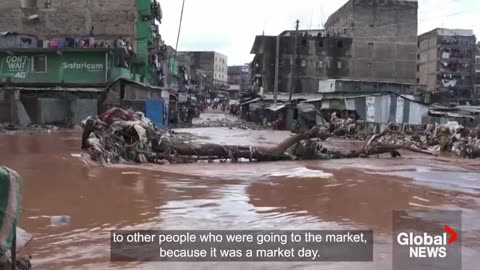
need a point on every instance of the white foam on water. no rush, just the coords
(420, 199)
(301, 172)
(130, 173)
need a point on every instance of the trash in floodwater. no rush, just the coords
(60, 220)
(301, 172)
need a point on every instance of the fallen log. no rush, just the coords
(252, 153)
(383, 148)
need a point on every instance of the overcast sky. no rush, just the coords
(230, 26)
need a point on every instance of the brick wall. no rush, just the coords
(111, 19)
(384, 38)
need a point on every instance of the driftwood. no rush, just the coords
(373, 147)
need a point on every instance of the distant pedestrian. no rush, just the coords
(92, 39)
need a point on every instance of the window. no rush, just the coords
(320, 64)
(320, 44)
(39, 63)
(370, 44)
(339, 65)
(418, 56)
(340, 44)
(304, 63)
(418, 80)
(418, 67)
(304, 42)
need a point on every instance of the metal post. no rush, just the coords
(294, 65)
(13, 249)
(277, 60)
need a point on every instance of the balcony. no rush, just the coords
(150, 9)
(144, 7)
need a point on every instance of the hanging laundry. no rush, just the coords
(157, 63)
(54, 44)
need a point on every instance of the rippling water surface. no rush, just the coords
(342, 194)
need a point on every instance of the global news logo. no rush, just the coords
(427, 245)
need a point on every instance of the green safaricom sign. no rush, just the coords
(89, 67)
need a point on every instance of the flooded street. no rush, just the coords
(316, 195)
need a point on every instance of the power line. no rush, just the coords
(179, 30)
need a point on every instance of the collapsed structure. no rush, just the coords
(119, 135)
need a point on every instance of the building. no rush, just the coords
(384, 38)
(132, 20)
(446, 60)
(66, 85)
(239, 77)
(317, 58)
(63, 66)
(477, 74)
(213, 65)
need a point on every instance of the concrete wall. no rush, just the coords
(427, 61)
(56, 111)
(83, 108)
(384, 38)
(111, 19)
(4, 108)
(52, 111)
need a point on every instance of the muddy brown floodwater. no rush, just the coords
(341, 194)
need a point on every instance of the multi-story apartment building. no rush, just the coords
(239, 77)
(61, 61)
(131, 20)
(477, 74)
(446, 59)
(384, 38)
(317, 58)
(212, 64)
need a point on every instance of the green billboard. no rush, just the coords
(52, 67)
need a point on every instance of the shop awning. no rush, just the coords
(250, 101)
(276, 107)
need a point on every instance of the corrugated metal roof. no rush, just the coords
(251, 101)
(449, 114)
(58, 89)
(277, 107)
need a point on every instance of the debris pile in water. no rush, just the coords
(449, 137)
(123, 135)
(120, 135)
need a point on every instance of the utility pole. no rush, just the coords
(294, 65)
(277, 60)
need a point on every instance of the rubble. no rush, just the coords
(449, 137)
(10, 129)
(123, 135)
(225, 121)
